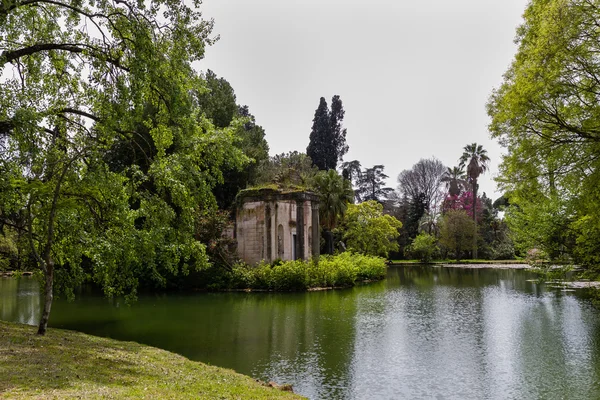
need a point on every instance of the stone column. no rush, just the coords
(300, 229)
(269, 255)
(315, 245)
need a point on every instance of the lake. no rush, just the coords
(423, 333)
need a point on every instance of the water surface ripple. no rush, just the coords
(424, 333)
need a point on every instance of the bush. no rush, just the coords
(423, 247)
(330, 271)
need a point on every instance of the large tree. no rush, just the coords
(327, 141)
(546, 115)
(81, 78)
(424, 178)
(455, 180)
(456, 232)
(371, 184)
(217, 102)
(368, 230)
(335, 194)
(476, 160)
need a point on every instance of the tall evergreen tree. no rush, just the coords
(371, 184)
(327, 143)
(338, 133)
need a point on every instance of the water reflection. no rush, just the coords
(20, 300)
(423, 333)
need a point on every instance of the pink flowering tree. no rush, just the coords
(464, 202)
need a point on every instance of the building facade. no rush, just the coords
(272, 224)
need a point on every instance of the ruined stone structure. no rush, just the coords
(272, 224)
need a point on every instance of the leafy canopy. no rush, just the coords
(368, 231)
(109, 76)
(546, 115)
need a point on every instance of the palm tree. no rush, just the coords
(476, 159)
(455, 180)
(335, 193)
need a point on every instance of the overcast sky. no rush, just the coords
(414, 75)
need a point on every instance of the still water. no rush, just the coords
(423, 333)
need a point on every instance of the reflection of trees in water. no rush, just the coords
(422, 276)
(424, 331)
(310, 342)
(301, 338)
(19, 300)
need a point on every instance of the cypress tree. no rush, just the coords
(327, 143)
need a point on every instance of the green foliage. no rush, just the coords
(345, 269)
(217, 102)
(424, 247)
(71, 106)
(335, 194)
(546, 115)
(456, 232)
(211, 229)
(327, 143)
(285, 170)
(371, 183)
(368, 231)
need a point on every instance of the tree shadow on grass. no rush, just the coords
(64, 360)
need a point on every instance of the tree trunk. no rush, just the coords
(475, 218)
(328, 241)
(48, 296)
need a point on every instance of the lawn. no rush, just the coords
(66, 364)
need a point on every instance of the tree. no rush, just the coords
(423, 247)
(335, 194)
(416, 208)
(370, 184)
(545, 114)
(351, 170)
(368, 231)
(455, 180)
(476, 159)
(327, 144)
(425, 177)
(288, 169)
(463, 202)
(69, 98)
(456, 232)
(217, 102)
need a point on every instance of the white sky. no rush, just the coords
(414, 75)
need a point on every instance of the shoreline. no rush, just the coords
(71, 364)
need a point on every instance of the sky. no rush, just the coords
(414, 76)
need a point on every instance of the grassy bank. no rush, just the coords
(65, 364)
(343, 270)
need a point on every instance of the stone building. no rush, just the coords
(272, 224)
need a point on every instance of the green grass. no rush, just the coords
(66, 364)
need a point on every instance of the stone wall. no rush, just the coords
(272, 226)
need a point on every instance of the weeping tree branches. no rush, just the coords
(83, 83)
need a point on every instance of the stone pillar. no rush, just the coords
(316, 242)
(300, 229)
(268, 256)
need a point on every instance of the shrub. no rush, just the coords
(423, 247)
(330, 271)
